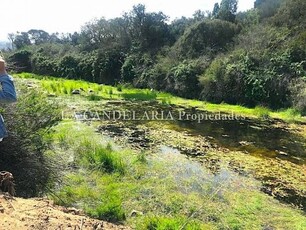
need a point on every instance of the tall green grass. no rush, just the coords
(60, 86)
(170, 223)
(262, 112)
(97, 157)
(140, 96)
(109, 209)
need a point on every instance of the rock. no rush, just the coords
(135, 213)
(76, 91)
(7, 182)
(282, 153)
(245, 143)
(73, 211)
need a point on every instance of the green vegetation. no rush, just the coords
(249, 63)
(135, 187)
(28, 122)
(97, 92)
(252, 58)
(99, 158)
(142, 96)
(147, 196)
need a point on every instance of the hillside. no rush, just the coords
(41, 213)
(252, 58)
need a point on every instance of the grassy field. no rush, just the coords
(93, 91)
(152, 189)
(147, 191)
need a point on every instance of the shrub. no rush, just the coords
(68, 67)
(243, 77)
(209, 36)
(182, 80)
(298, 95)
(43, 65)
(22, 152)
(291, 13)
(107, 66)
(127, 69)
(21, 61)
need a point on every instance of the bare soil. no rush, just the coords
(41, 213)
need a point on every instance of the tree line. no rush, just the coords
(249, 58)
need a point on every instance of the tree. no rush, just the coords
(199, 15)
(38, 37)
(206, 38)
(216, 10)
(149, 31)
(105, 34)
(21, 40)
(267, 8)
(11, 37)
(178, 26)
(228, 10)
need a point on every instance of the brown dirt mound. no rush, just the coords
(42, 214)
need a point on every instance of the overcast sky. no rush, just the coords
(70, 15)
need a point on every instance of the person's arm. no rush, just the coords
(8, 93)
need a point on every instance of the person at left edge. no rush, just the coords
(7, 93)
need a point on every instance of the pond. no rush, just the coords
(255, 137)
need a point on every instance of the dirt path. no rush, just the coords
(38, 213)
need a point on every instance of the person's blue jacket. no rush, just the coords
(7, 95)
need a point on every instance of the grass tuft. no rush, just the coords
(101, 158)
(262, 112)
(140, 96)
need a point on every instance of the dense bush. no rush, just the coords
(68, 67)
(21, 61)
(107, 66)
(298, 94)
(128, 69)
(242, 78)
(209, 36)
(86, 65)
(28, 122)
(182, 80)
(44, 65)
(291, 13)
(267, 8)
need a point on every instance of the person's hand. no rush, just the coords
(2, 66)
